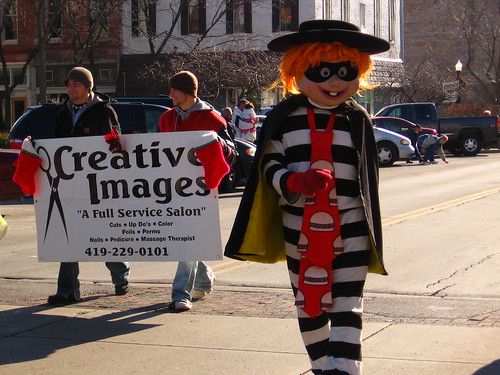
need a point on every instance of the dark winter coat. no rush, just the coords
(98, 118)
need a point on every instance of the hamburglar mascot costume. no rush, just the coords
(312, 197)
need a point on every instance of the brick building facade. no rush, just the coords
(20, 38)
(439, 33)
(120, 52)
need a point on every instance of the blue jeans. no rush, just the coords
(68, 284)
(190, 274)
(429, 152)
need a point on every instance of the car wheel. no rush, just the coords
(232, 180)
(238, 175)
(387, 153)
(470, 144)
(228, 183)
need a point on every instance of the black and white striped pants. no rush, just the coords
(333, 339)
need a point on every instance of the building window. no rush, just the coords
(193, 17)
(362, 16)
(144, 17)
(54, 15)
(16, 76)
(104, 74)
(377, 18)
(238, 16)
(392, 21)
(49, 76)
(9, 14)
(285, 15)
(99, 11)
(345, 10)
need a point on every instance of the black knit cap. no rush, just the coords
(329, 31)
(81, 75)
(185, 82)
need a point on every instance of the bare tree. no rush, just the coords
(250, 71)
(477, 24)
(88, 20)
(420, 81)
(46, 13)
(144, 22)
(10, 17)
(247, 69)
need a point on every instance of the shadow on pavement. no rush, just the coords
(31, 333)
(492, 369)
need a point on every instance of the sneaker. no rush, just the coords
(57, 299)
(182, 305)
(434, 162)
(199, 294)
(425, 162)
(121, 290)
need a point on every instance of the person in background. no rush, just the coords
(429, 144)
(227, 114)
(414, 134)
(238, 114)
(190, 113)
(248, 123)
(85, 113)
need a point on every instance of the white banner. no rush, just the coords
(148, 204)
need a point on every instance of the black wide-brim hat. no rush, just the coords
(329, 31)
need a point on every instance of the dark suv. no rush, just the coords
(39, 121)
(161, 100)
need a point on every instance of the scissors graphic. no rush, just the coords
(54, 194)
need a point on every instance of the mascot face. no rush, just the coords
(330, 83)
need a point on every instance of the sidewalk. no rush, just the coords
(234, 331)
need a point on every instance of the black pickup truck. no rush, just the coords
(467, 135)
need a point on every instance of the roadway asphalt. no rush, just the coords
(235, 330)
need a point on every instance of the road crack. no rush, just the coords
(455, 273)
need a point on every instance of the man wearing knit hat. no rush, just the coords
(190, 114)
(85, 113)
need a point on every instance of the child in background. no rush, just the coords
(248, 123)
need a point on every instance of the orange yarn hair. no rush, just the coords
(298, 59)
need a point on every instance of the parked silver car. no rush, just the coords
(391, 146)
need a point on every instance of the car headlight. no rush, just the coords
(250, 151)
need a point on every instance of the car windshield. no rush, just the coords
(36, 127)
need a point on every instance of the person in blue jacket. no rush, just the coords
(429, 144)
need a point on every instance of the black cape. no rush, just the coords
(257, 233)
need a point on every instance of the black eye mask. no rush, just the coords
(324, 71)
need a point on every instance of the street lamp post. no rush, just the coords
(459, 79)
(460, 76)
(458, 69)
